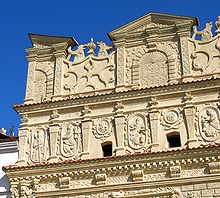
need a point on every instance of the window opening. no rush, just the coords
(174, 140)
(107, 149)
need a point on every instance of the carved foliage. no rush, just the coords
(102, 128)
(137, 131)
(70, 140)
(39, 145)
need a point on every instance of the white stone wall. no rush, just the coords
(8, 156)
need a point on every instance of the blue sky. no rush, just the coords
(80, 19)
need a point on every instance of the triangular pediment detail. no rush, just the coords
(153, 20)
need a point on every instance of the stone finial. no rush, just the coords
(3, 131)
(206, 33)
(103, 49)
(217, 25)
(91, 47)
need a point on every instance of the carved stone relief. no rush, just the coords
(205, 52)
(209, 123)
(91, 72)
(171, 119)
(152, 67)
(43, 81)
(138, 136)
(39, 145)
(70, 140)
(102, 128)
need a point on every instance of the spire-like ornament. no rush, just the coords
(91, 47)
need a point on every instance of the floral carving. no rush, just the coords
(171, 119)
(70, 143)
(209, 123)
(102, 128)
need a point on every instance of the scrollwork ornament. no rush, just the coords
(102, 128)
(209, 123)
(171, 119)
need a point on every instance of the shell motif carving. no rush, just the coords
(39, 145)
(171, 119)
(209, 123)
(70, 141)
(102, 128)
(137, 131)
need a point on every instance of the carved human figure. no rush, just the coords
(206, 34)
(137, 132)
(38, 147)
(103, 49)
(91, 47)
(78, 53)
(70, 141)
(210, 124)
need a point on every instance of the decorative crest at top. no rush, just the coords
(79, 53)
(206, 34)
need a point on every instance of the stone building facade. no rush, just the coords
(139, 118)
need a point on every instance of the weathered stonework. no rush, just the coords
(138, 119)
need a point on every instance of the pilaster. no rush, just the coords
(60, 54)
(120, 62)
(86, 131)
(119, 128)
(23, 135)
(189, 112)
(154, 117)
(54, 128)
(32, 58)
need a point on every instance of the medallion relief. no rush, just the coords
(171, 119)
(209, 123)
(137, 131)
(39, 145)
(102, 128)
(70, 140)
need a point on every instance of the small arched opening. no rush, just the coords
(107, 149)
(174, 139)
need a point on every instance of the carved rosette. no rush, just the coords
(39, 147)
(70, 140)
(137, 131)
(171, 119)
(102, 128)
(209, 123)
